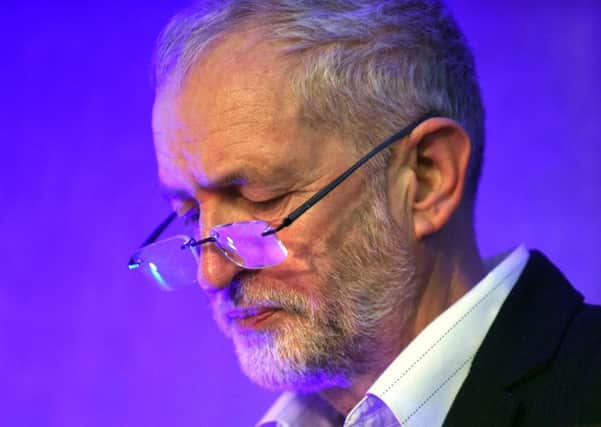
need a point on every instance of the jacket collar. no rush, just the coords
(520, 343)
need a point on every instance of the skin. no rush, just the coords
(230, 142)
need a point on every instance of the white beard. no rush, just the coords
(325, 340)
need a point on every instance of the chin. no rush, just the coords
(267, 361)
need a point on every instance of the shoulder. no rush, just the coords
(582, 342)
(554, 340)
(572, 379)
(581, 348)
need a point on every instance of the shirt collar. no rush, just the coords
(295, 410)
(420, 385)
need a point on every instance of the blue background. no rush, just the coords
(84, 342)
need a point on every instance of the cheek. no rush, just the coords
(309, 259)
(323, 229)
(313, 251)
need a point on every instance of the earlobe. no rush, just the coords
(422, 227)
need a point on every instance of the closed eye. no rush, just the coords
(255, 209)
(269, 204)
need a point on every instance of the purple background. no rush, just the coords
(84, 342)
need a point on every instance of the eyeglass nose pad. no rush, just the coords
(228, 248)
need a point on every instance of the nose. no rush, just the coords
(215, 271)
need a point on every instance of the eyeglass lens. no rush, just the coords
(168, 263)
(173, 262)
(245, 245)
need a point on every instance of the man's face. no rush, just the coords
(231, 145)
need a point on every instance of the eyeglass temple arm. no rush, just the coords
(154, 236)
(343, 176)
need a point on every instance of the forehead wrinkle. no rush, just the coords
(243, 142)
(221, 166)
(253, 110)
(200, 156)
(201, 163)
(228, 109)
(218, 88)
(234, 124)
(230, 133)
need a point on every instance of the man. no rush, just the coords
(369, 304)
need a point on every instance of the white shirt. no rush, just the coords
(419, 386)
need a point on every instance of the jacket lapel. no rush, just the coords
(520, 343)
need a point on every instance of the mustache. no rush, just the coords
(252, 292)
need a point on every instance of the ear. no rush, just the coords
(430, 169)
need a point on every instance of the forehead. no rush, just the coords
(234, 110)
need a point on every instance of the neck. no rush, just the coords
(343, 399)
(445, 274)
(451, 269)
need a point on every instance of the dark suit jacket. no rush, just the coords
(540, 362)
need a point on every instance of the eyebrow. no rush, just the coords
(233, 179)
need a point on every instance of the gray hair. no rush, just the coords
(364, 68)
